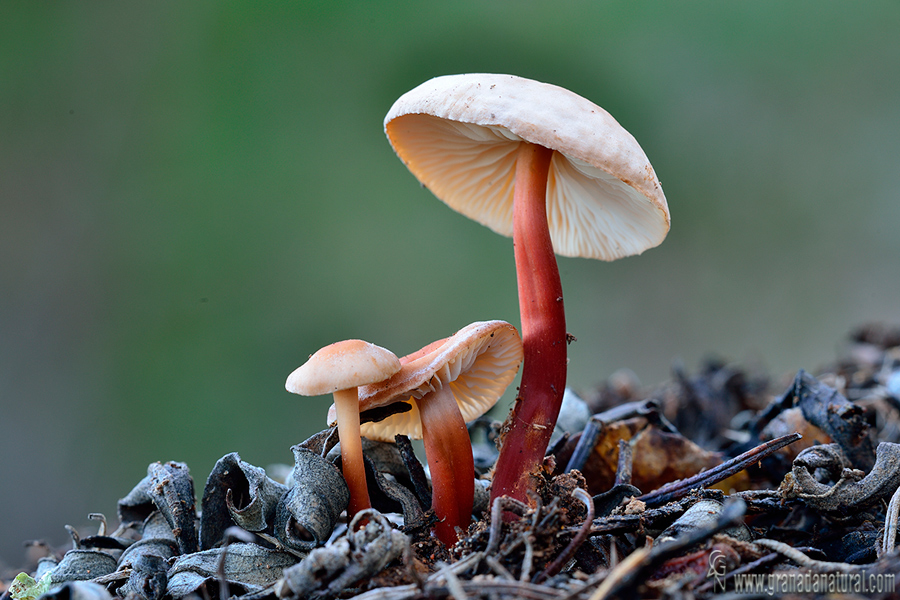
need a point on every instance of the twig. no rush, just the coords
(806, 562)
(513, 546)
(585, 444)
(592, 582)
(397, 592)
(76, 539)
(651, 518)
(101, 530)
(682, 487)
(527, 560)
(620, 573)
(276, 543)
(498, 568)
(569, 551)
(411, 590)
(624, 463)
(457, 567)
(409, 563)
(765, 501)
(510, 589)
(538, 504)
(453, 585)
(552, 512)
(500, 504)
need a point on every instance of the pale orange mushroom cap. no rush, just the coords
(340, 366)
(458, 134)
(478, 363)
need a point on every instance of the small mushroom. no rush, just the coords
(557, 173)
(339, 369)
(448, 383)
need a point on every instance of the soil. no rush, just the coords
(677, 491)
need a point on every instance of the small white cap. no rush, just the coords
(478, 363)
(458, 134)
(341, 366)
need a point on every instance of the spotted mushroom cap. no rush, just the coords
(341, 366)
(478, 363)
(458, 134)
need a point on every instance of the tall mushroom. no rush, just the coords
(447, 383)
(554, 171)
(339, 369)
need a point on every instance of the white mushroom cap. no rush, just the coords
(458, 134)
(478, 363)
(341, 366)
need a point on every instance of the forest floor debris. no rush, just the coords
(712, 484)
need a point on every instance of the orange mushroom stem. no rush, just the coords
(346, 403)
(536, 410)
(449, 453)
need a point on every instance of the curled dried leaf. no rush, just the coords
(840, 419)
(168, 488)
(237, 493)
(852, 488)
(307, 513)
(335, 567)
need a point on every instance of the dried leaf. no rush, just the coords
(852, 488)
(247, 566)
(169, 489)
(790, 421)
(306, 514)
(81, 565)
(348, 559)
(237, 493)
(839, 418)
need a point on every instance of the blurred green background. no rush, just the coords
(196, 196)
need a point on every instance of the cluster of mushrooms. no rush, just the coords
(560, 176)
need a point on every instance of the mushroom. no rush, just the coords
(554, 171)
(447, 383)
(339, 369)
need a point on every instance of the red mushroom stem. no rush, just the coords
(346, 405)
(449, 453)
(531, 422)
